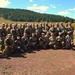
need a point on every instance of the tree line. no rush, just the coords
(30, 16)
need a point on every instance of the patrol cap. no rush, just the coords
(9, 35)
(3, 24)
(37, 31)
(18, 37)
(43, 33)
(68, 32)
(60, 33)
(52, 34)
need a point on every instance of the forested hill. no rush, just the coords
(30, 16)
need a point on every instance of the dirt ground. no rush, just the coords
(43, 62)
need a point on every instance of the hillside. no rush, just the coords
(30, 16)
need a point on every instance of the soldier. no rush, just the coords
(14, 32)
(52, 29)
(33, 41)
(59, 42)
(3, 36)
(42, 41)
(68, 41)
(18, 45)
(25, 42)
(9, 29)
(66, 29)
(62, 30)
(32, 29)
(37, 35)
(40, 29)
(47, 36)
(24, 26)
(20, 31)
(71, 30)
(52, 41)
(47, 27)
(9, 45)
(57, 29)
(28, 31)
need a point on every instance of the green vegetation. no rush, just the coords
(30, 16)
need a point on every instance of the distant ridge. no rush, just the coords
(30, 16)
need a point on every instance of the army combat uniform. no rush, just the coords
(9, 45)
(3, 36)
(68, 41)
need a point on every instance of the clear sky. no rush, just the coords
(57, 7)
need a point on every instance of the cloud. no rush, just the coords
(31, 0)
(63, 13)
(52, 6)
(72, 9)
(4, 3)
(37, 8)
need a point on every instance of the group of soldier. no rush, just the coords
(24, 37)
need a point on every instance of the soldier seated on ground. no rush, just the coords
(18, 45)
(25, 42)
(68, 41)
(33, 41)
(47, 36)
(9, 45)
(59, 41)
(42, 41)
(3, 35)
(52, 41)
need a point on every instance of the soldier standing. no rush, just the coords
(14, 32)
(3, 36)
(71, 30)
(28, 31)
(20, 31)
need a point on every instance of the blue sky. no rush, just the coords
(57, 7)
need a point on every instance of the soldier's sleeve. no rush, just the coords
(5, 42)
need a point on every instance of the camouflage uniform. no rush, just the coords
(33, 41)
(18, 45)
(68, 41)
(37, 35)
(9, 45)
(71, 30)
(59, 41)
(14, 32)
(52, 41)
(42, 41)
(20, 31)
(47, 36)
(3, 36)
(28, 31)
(62, 30)
(9, 29)
(25, 42)
(52, 29)
(57, 30)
